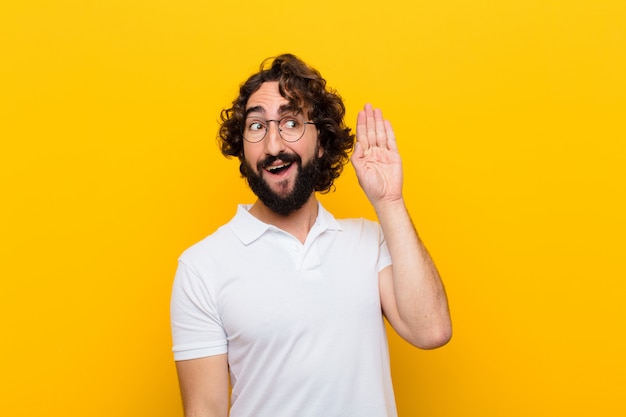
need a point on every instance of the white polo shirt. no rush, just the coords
(301, 323)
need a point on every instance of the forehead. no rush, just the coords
(268, 101)
(267, 98)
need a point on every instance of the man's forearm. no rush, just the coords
(420, 296)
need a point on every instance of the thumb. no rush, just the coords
(358, 151)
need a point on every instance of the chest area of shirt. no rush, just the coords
(288, 288)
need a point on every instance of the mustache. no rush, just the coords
(283, 156)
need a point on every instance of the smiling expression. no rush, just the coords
(282, 174)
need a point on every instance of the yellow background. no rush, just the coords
(511, 120)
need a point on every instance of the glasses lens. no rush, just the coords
(254, 131)
(291, 128)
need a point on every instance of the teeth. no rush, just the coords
(277, 167)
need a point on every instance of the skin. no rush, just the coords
(298, 223)
(412, 294)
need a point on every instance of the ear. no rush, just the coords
(320, 149)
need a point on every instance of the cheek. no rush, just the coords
(250, 154)
(247, 160)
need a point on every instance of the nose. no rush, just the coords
(274, 143)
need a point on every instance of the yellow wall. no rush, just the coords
(511, 119)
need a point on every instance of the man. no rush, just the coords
(286, 303)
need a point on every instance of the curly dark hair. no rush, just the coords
(304, 88)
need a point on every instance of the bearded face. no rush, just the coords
(285, 198)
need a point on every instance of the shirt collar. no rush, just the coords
(248, 228)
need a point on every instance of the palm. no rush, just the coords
(376, 159)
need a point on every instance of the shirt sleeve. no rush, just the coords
(197, 330)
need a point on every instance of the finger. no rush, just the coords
(370, 125)
(391, 136)
(361, 130)
(381, 134)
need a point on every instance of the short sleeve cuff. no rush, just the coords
(184, 353)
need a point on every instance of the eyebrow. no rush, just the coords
(285, 108)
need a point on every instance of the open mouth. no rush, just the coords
(277, 169)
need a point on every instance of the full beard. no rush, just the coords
(288, 202)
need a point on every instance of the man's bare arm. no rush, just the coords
(412, 294)
(204, 386)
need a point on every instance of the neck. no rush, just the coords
(297, 223)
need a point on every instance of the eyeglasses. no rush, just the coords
(291, 128)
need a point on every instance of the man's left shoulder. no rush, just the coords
(360, 225)
(348, 225)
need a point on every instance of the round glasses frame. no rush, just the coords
(281, 127)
